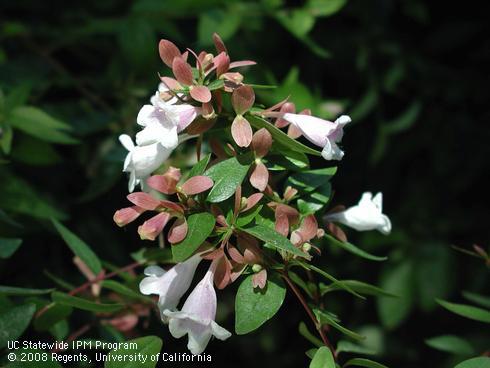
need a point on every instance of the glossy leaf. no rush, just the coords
(480, 362)
(146, 347)
(8, 246)
(326, 319)
(323, 358)
(468, 311)
(361, 362)
(273, 239)
(79, 248)
(353, 249)
(253, 306)
(200, 225)
(11, 290)
(84, 304)
(227, 176)
(14, 322)
(451, 344)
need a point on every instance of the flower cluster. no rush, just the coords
(211, 212)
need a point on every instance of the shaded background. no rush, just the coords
(412, 75)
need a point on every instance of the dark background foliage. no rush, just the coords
(412, 74)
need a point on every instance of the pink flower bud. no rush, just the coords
(261, 142)
(126, 215)
(168, 51)
(282, 225)
(197, 184)
(243, 99)
(260, 279)
(143, 200)
(222, 63)
(165, 183)
(259, 177)
(287, 107)
(178, 231)
(153, 227)
(218, 43)
(182, 71)
(241, 131)
(253, 200)
(200, 93)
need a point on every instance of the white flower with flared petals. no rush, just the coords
(141, 161)
(196, 319)
(323, 133)
(169, 285)
(366, 215)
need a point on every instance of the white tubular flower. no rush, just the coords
(197, 317)
(367, 215)
(141, 161)
(323, 133)
(169, 285)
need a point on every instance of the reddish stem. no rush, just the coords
(308, 310)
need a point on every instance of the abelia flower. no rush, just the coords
(141, 161)
(196, 319)
(169, 285)
(323, 133)
(366, 215)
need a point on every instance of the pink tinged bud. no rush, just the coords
(259, 177)
(124, 323)
(162, 183)
(336, 231)
(169, 285)
(171, 206)
(286, 107)
(294, 132)
(168, 51)
(218, 43)
(260, 279)
(253, 200)
(238, 64)
(282, 225)
(308, 228)
(222, 274)
(196, 319)
(241, 131)
(290, 212)
(235, 254)
(261, 142)
(289, 193)
(144, 200)
(235, 78)
(200, 93)
(153, 227)
(197, 184)
(222, 63)
(214, 254)
(178, 231)
(242, 99)
(296, 238)
(171, 83)
(182, 71)
(126, 215)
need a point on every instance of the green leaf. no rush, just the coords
(361, 362)
(37, 123)
(79, 247)
(8, 246)
(6, 137)
(303, 330)
(273, 239)
(10, 290)
(353, 249)
(35, 152)
(344, 346)
(216, 84)
(299, 22)
(146, 347)
(323, 359)
(137, 42)
(399, 281)
(451, 344)
(14, 322)
(254, 306)
(223, 22)
(227, 176)
(200, 225)
(405, 120)
(84, 304)
(339, 283)
(200, 167)
(322, 8)
(308, 181)
(248, 216)
(17, 96)
(480, 362)
(481, 300)
(468, 311)
(327, 319)
(19, 196)
(316, 200)
(124, 290)
(358, 286)
(280, 137)
(53, 314)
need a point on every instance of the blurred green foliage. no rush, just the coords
(413, 77)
